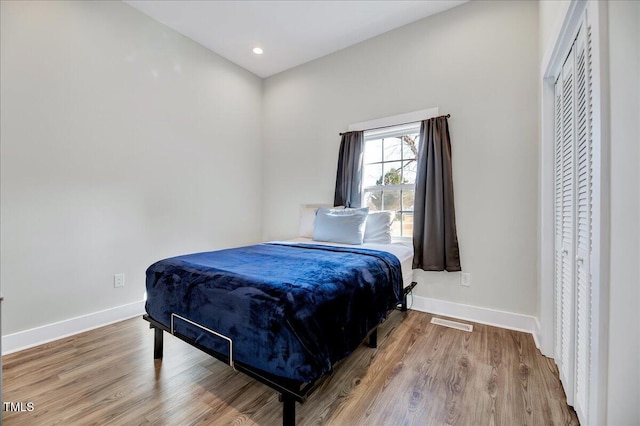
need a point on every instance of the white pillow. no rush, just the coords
(308, 216)
(345, 226)
(378, 228)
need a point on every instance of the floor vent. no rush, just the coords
(452, 324)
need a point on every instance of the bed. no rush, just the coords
(282, 312)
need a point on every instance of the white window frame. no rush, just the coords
(395, 120)
(384, 133)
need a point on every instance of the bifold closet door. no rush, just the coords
(573, 226)
(565, 224)
(583, 200)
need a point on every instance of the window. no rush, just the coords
(389, 173)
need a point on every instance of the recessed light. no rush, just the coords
(257, 51)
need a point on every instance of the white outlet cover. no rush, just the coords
(118, 280)
(465, 279)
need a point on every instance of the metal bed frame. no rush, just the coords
(291, 391)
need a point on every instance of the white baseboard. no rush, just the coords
(58, 330)
(508, 320)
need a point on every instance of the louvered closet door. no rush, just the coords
(565, 226)
(557, 319)
(584, 172)
(573, 227)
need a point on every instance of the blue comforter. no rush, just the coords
(292, 310)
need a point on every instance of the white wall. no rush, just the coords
(477, 62)
(552, 13)
(122, 143)
(624, 315)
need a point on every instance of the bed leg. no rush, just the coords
(158, 343)
(373, 338)
(288, 410)
(403, 308)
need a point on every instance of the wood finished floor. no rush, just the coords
(421, 374)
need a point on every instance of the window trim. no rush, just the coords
(379, 124)
(384, 133)
(395, 120)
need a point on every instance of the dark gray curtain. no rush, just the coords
(435, 240)
(349, 177)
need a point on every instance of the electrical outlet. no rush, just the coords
(465, 279)
(118, 280)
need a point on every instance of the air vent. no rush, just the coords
(452, 324)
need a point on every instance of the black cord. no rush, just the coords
(409, 293)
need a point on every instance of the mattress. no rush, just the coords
(403, 251)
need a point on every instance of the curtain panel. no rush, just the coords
(435, 240)
(349, 177)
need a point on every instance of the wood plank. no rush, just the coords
(420, 374)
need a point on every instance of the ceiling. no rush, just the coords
(290, 32)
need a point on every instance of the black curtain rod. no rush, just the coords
(394, 125)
